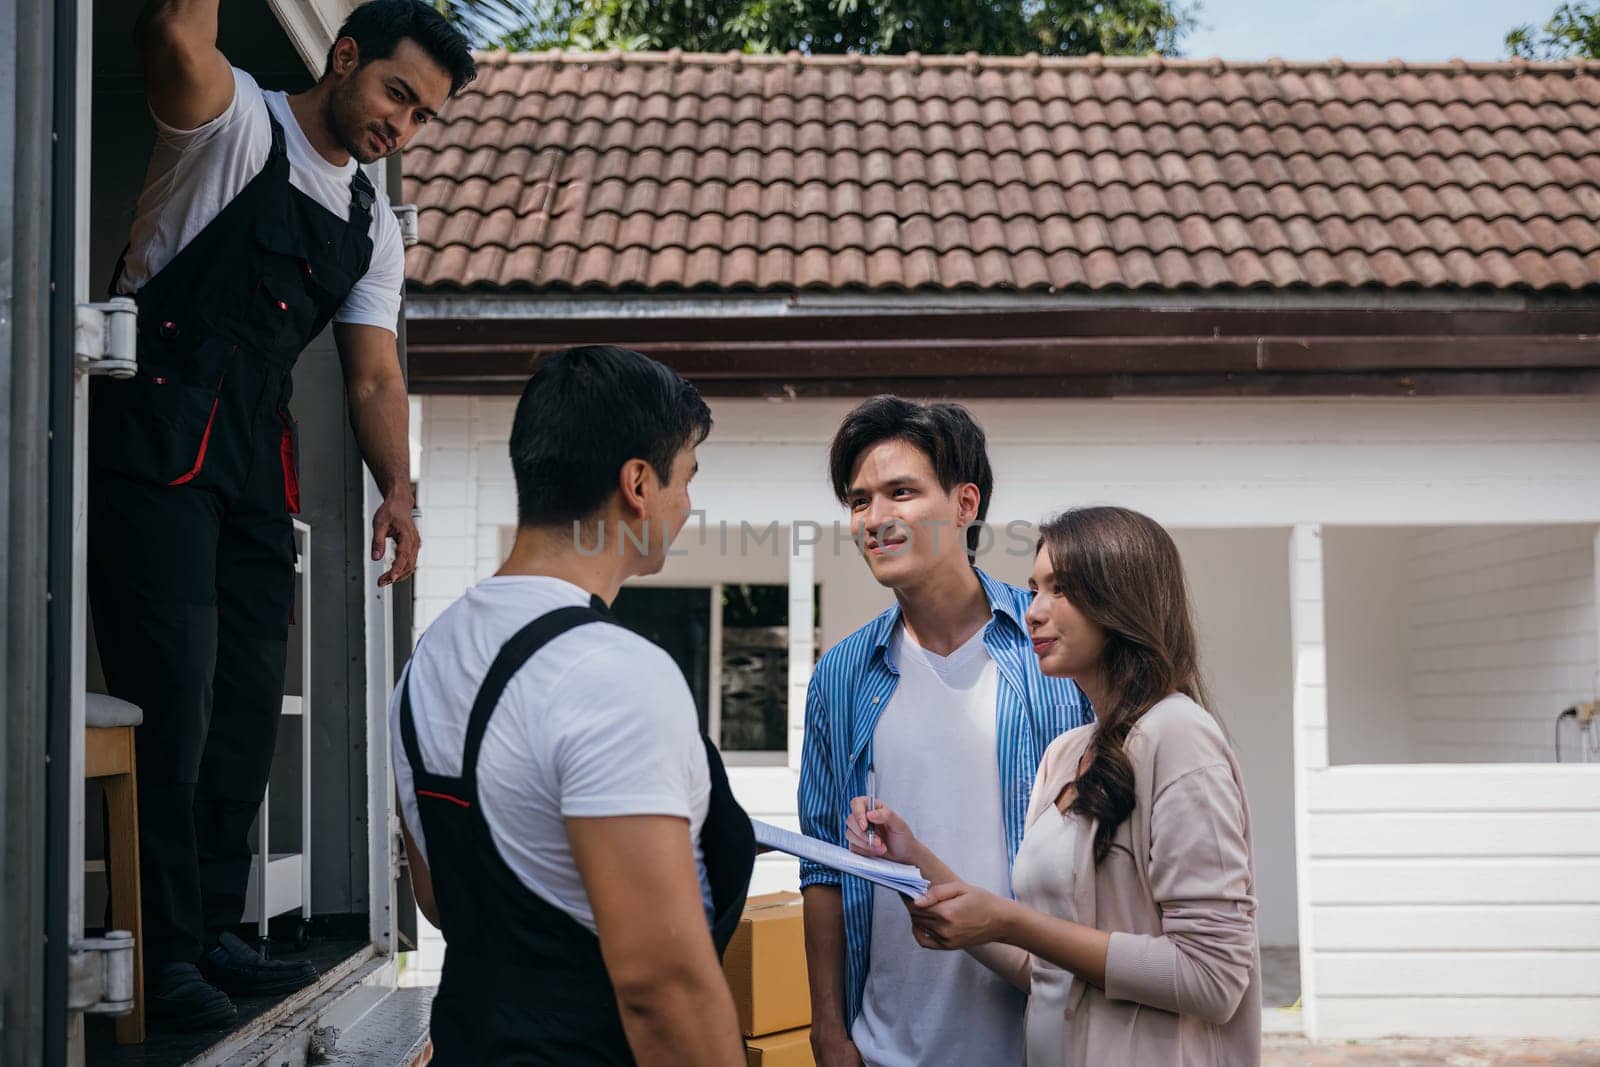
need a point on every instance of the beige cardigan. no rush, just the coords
(1177, 895)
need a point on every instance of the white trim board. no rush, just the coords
(310, 26)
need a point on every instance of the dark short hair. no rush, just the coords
(379, 25)
(946, 433)
(585, 412)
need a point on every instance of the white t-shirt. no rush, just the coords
(194, 174)
(935, 760)
(598, 723)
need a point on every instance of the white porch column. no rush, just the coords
(1310, 688)
(802, 630)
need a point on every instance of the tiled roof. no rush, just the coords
(670, 172)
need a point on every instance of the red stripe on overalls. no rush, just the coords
(200, 457)
(291, 483)
(444, 796)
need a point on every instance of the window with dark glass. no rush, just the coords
(743, 698)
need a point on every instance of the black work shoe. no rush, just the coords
(178, 998)
(240, 970)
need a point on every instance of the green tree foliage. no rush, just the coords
(991, 27)
(1572, 32)
(496, 23)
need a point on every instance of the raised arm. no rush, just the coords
(639, 874)
(187, 81)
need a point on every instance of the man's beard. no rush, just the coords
(348, 131)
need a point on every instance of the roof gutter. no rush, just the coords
(425, 305)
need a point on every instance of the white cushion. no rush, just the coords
(102, 710)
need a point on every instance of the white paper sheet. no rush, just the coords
(901, 877)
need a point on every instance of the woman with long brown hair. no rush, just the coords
(1133, 927)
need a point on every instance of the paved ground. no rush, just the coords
(1292, 1052)
(1281, 974)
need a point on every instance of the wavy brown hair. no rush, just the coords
(1121, 570)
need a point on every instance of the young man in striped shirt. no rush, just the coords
(937, 707)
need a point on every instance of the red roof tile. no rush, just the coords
(665, 172)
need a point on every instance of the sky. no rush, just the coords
(1361, 30)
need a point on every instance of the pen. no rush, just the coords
(872, 802)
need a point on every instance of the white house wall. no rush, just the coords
(1502, 625)
(1369, 667)
(1459, 643)
(1240, 591)
(1187, 463)
(1208, 463)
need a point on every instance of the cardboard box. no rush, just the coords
(790, 1049)
(766, 966)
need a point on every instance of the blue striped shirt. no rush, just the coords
(852, 685)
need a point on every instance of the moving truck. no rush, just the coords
(75, 136)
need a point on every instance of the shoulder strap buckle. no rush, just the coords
(362, 193)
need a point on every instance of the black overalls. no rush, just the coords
(523, 982)
(192, 482)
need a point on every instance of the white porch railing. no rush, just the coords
(1450, 899)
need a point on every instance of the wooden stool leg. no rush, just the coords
(122, 833)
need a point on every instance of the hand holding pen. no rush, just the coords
(881, 832)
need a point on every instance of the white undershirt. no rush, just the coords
(935, 761)
(194, 174)
(598, 723)
(1044, 880)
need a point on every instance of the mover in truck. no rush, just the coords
(255, 229)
